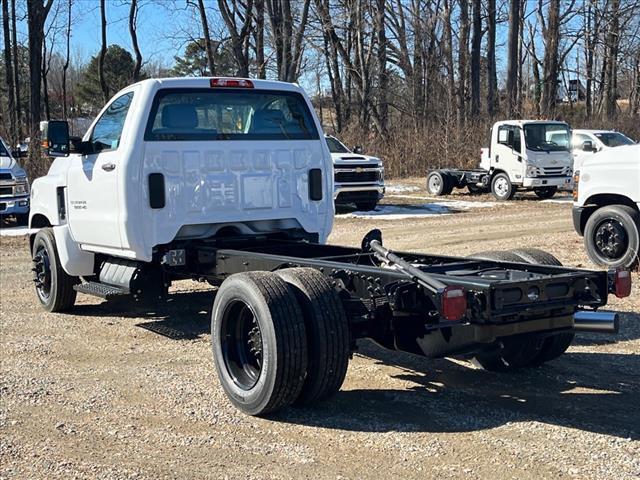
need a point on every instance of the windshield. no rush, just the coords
(614, 139)
(335, 146)
(229, 114)
(547, 137)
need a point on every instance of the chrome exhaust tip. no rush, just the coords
(596, 322)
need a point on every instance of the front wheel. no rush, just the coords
(612, 236)
(502, 188)
(545, 193)
(54, 286)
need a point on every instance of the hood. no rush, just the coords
(353, 158)
(551, 159)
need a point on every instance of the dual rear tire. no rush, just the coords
(529, 350)
(278, 339)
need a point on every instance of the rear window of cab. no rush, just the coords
(229, 114)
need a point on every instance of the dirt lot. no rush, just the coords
(111, 392)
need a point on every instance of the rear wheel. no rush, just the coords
(54, 286)
(475, 189)
(327, 333)
(558, 343)
(502, 188)
(545, 192)
(515, 352)
(259, 342)
(439, 183)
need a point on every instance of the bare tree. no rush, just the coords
(133, 17)
(37, 12)
(463, 52)
(65, 67)
(476, 43)
(16, 70)
(287, 37)
(238, 16)
(103, 52)
(492, 80)
(512, 57)
(9, 72)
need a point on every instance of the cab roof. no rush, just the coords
(521, 123)
(205, 82)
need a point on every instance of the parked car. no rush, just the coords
(14, 186)
(585, 143)
(522, 155)
(358, 178)
(606, 206)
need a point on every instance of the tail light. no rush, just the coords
(231, 83)
(623, 283)
(576, 181)
(454, 303)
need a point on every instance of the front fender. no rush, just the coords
(45, 201)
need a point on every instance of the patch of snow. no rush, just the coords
(399, 188)
(16, 231)
(400, 212)
(454, 204)
(559, 200)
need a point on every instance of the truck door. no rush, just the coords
(507, 152)
(92, 185)
(580, 155)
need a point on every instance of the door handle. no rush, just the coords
(108, 167)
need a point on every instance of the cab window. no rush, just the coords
(107, 132)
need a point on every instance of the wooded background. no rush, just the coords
(416, 82)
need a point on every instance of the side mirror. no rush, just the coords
(358, 149)
(54, 136)
(587, 146)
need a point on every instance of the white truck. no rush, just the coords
(585, 143)
(359, 179)
(523, 155)
(14, 186)
(606, 209)
(230, 181)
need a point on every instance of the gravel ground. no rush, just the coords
(115, 392)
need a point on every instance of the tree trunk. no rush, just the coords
(133, 15)
(512, 61)
(103, 51)
(589, 54)
(9, 73)
(65, 67)
(383, 85)
(16, 71)
(613, 40)
(45, 80)
(492, 80)
(207, 37)
(551, 65)
(259, 39)
(462, 61)
(475, 58)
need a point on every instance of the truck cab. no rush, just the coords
(14, 187)
(359, 178)
(585, 143)
(528, 154)
(183, 159)
(606, 210)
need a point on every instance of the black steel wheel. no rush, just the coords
(259, 342)
(54, 286)
(545, 193)
(612, 237)
(328, 336)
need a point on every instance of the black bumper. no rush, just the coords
(580, 216)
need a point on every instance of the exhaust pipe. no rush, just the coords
(596, 322)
